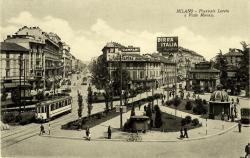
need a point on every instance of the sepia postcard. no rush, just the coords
(125, 78)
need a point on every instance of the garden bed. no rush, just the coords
(100, 117)
(190, 110)
(173, 123)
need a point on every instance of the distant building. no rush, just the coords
(14, 65)
(185, 60)
(203, 77)
(233, 58)
(67, 61)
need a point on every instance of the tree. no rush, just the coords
(99, 70)
(221, 64)
(176, 103)
(158, 118)
(242, 74)
(90, 100)
(117, 80)
(80, 105)
(106, 98)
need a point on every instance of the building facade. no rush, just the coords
(233, 58)
(143, 70)
(14, 66)
(45, 55)
(203, 77)
(185, 60)
(67, 61)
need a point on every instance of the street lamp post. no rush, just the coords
(20, 82)
(121, 91)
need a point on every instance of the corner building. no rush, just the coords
(144, 70)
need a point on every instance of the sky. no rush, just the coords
(87, 25)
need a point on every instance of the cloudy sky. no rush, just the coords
(87, 25)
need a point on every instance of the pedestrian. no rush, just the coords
(222, 116)
(181, 131)
(109, 132)
(162, 102)
(87, 133)
(185, 131)
(41, 129)
(237, 100)
(247, 149)
(235, 111)
(239, 126)
(49, 129)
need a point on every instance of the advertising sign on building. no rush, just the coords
(167, 44)
(131, 49)
(116, 57)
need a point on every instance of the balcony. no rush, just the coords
(38, 68)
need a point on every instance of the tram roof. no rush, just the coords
(54, 100)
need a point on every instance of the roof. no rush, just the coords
(189, 51)
(233, 52)
(7, 46)
(205, 70)
(114, 44)
(219, 96)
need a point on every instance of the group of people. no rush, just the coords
(88, 134)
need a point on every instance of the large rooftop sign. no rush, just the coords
(167, 44)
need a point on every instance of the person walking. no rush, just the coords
(109, 132)
(87, 133)
(247, 149)
(41, 129)
(181, 131)
(239, 126)
(185, 131)
(237, 100)
(49, 129)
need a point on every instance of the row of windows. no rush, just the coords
(54, 106)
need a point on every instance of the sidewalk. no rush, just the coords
(99, 132)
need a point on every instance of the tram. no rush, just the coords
(245, 115)
(47, 110)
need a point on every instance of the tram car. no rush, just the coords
(45, 111)
(245, 115)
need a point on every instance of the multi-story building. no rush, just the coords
(67, 61)
(35, 43)
(185, 60)
(233, 58)
(144, 70)
(45, 53)
(14, 66)
(203, 77)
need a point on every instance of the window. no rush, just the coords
(7, 73)
(7, 64)
(52, 107)
(65, 103)
(134, 75)
(60, 104)
(141, 74)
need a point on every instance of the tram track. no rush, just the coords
(23, 134)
